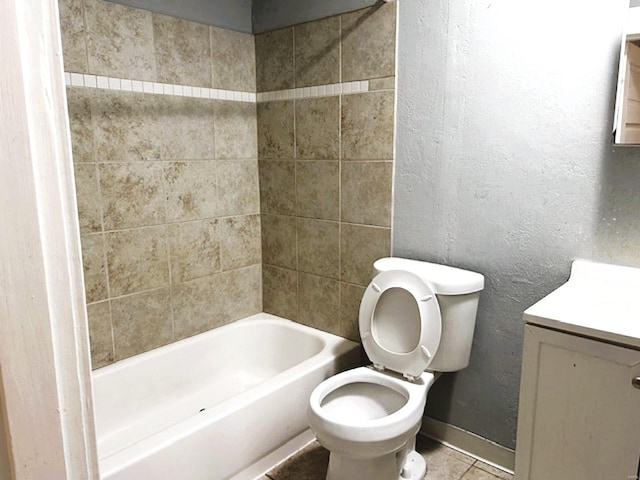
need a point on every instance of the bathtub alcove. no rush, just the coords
(210, 406)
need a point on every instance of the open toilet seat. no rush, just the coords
(400, 323)
(340, 422)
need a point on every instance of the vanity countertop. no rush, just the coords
(599, 300)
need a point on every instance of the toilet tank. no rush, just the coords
(457, 292)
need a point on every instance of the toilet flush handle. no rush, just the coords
(636, 382)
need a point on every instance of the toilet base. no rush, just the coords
(381, 468)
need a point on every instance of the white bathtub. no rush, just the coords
(210, 406)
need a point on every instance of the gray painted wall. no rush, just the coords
(272, 14)
(241, 15)
(231, 14)
(504, 166)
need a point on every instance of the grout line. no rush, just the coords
(466, 471)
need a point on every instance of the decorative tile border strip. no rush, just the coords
(126, 85)
(317, 91)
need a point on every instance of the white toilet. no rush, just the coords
(416, 320)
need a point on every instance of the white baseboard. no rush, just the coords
(469, 443)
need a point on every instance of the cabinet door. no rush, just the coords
(579, 413)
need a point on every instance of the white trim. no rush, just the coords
(469, 443)
(332, 90)
(101, 82)
(44, 343)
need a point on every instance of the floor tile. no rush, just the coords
(443, 463)
(476, 474)
(442, 466)
(493, 470)
(309, 464)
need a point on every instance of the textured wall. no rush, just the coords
(229, 14)
(272, 14)
(167, 185)
(326, 165)
(504, 166)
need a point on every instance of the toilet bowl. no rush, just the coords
(368, 420)
(413, 315)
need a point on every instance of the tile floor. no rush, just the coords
(443, 463)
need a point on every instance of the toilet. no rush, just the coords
(416, 321)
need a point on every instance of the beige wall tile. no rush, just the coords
(350, 298)
(386, 83)
(317, 52)
(319, 302)
(187, 126)
(368, 42)
(242, 292)
(235, 130)
(360, 246)
(137, 260)
(132, 194)
(367, 126)
(74, 47)
(80, 123)
(318, 189)
(88, 198)
(238, 188)
(213, 301)
(319, 247)
(197, 306)
(95, 269)
(317, 128)
(141, 322)
(119, 41)
(366, 192)
(190, 190)
(182, 51)
(277, 187)
(279, 241)
(100, 334)
(233, 55)
(274, 60)
(276, 130)
(240, 243)
(128, 125)
(280, 291)
(194, 249)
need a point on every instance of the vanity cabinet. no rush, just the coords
(579, 414)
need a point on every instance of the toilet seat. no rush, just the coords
(400, 323)
(393, 425)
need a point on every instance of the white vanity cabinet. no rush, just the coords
(579, 414)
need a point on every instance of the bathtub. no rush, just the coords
(210, 406)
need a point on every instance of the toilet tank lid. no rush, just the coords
(444, 280)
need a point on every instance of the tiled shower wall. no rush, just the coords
(167, 185)
(326, 164)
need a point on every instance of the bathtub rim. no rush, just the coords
(200, 337)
